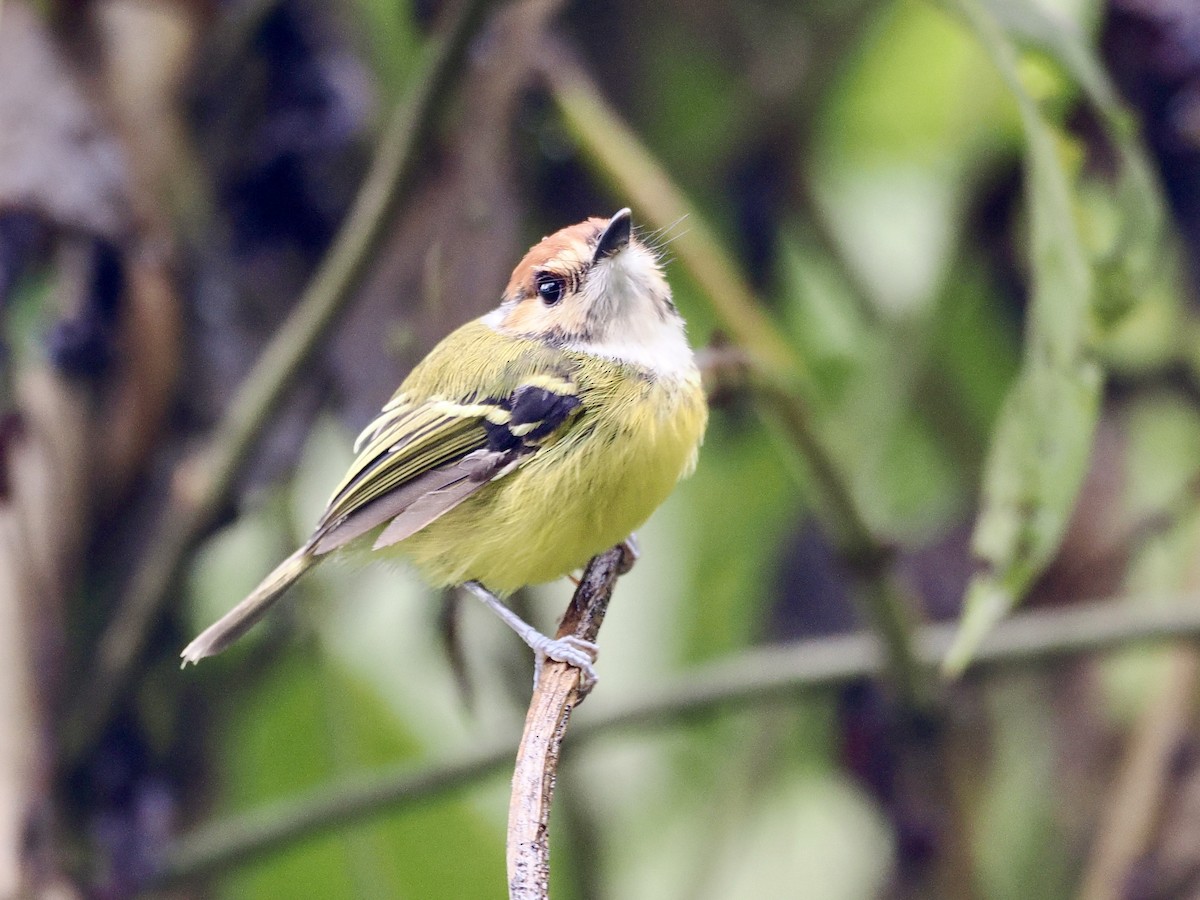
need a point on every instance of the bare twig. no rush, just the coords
(556, 694)
(1133, 811)
(196, 501)
(753, 677)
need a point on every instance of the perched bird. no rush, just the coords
(526, 442)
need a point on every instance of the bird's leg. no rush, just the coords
(574, 651)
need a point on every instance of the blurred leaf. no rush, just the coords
(1018, 838)
(394, 39)
(976, 354)
(1142, 317)
(917, 116)
(807, 838)
(1139, 252)
(1041, 447)
(868, 374)
(774, 775)
(301, 725)
(919, 91)
(1162, 457)
(824, 320)
(1162, 465)
(744, 500)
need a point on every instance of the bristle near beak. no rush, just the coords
(615, 237)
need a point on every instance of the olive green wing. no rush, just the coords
(418, 460)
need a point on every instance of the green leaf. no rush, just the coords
(1017, 825)
(306, 721)
(1040, 449)
(1139, 253)
(914, 120)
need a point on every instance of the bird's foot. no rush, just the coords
(572, 650)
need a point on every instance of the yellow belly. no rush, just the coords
(573, 499)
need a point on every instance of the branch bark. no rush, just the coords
(556, 694)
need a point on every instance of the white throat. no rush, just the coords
(639, 329)
(657, 345)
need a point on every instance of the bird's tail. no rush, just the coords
(238, 620)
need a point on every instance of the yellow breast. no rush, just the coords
(636, 437)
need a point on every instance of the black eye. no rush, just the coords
(550, 288)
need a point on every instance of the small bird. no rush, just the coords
(526, 442)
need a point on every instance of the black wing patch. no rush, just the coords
(507, 430)
(534, 414)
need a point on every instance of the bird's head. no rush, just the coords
(592, 286)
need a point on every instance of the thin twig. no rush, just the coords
(556, 694)
(196, 501)
(1133, 812)
(753, 677)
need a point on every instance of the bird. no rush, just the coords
(526, 442)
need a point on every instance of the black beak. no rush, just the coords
(615, 237)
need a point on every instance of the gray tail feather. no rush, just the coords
(239, 620)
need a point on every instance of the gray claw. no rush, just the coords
(572, 650)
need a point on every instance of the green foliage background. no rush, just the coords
(945, 406)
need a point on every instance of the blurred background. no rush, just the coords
(940, 257)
